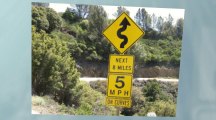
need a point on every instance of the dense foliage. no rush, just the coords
(45, 19)
(148, 96)
(61, 40)
(83, 103)
(53, 69)
(83, 28)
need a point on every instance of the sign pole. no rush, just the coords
(118, 111)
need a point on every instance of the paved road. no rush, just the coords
(89, 79)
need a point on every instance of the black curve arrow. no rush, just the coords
(124, 23)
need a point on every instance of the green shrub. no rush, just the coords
(91, 102)
(53, 69)
(38, 101)
(100, 86)
(138, 101)
(161, 108)
(152, 90)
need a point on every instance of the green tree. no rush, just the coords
(54, 19)
(39, 19)
(143, 19)
(97, 20)
(70, 16)
(98, 47)
(120, 10)
(53, 69)
(154, 20)
(138, 51)
(75, 47)
(159, 24)
(83, 10)
(179, 28)
(45, 19)
(168, 29)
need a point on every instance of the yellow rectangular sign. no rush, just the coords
(119, 85)
(121, 64)
(122, 102)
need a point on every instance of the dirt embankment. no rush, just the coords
(98, 69)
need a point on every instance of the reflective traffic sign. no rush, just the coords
(122, 102)
(119, 85)
(123, 33)
(121, 63)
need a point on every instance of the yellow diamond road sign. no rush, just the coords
(123, 33)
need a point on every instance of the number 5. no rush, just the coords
(119, 80)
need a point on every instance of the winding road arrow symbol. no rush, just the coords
(124, 23)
